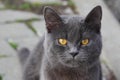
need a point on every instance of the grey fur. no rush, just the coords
(23, 54)
(51, 61)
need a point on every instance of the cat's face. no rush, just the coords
(73, 41)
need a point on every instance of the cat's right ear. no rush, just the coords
(52, 19)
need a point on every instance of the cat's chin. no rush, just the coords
(70, 63)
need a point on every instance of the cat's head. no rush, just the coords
(72, 40)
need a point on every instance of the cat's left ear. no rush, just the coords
(94, 17)
(52, 19)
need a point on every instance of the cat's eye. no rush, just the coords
(85, 41)
(62, 41)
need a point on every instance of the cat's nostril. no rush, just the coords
(74, 53)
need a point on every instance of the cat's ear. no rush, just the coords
(95, 15)
(52, 19)
(94, 18)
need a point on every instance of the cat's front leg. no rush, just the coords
(31, 72)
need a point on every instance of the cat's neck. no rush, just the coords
(66, 73)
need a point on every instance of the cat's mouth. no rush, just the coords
(72, 62)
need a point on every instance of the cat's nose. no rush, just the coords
(74, 54)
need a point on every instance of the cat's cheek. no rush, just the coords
(59, 48)
(82, 56)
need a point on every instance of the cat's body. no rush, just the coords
(73, 60)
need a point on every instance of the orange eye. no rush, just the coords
(62, 42)
(85, 42)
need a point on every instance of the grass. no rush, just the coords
(3, 56)
(24, 6)
(30, 6)
(28, 20)
(37, 7)
(72, 5)
(1, 78)
(13, 44)
(22, 21)
(29, 25)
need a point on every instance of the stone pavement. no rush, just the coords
(13, 27)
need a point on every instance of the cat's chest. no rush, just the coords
(64, 73)
(70, 77)
(65, 76)
(56, 77)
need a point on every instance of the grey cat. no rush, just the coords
(69, 50)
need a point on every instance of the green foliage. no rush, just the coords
(23, 21)
(13, 44)
(1, 77)
(44, 4)
(28, 20)
(3, 56)
(29, 25)
(29, 6)
(36, 4)
(26, 6)
(53, 4)
(13, 7)
(71, 3)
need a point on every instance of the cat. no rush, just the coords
(69, 50)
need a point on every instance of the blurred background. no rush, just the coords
(22, 24)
